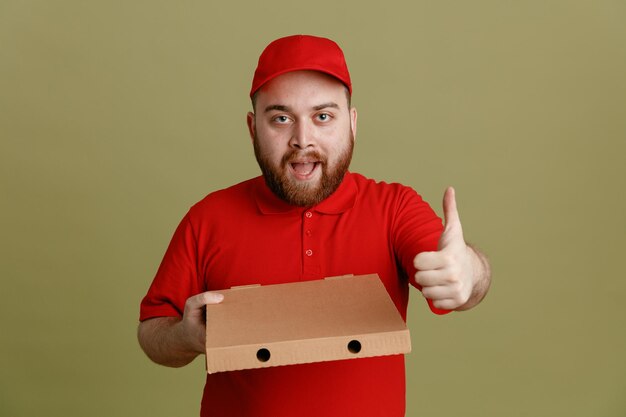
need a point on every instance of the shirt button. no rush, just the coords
(309, 252)
(309, 233)
(308, 214)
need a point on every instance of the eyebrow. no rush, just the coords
(280, 107)
(326, 105)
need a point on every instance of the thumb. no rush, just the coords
(195, 304)
(453, 230)
(450, 212)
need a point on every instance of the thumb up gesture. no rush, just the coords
(456, 276)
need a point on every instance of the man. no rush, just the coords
(306, 218)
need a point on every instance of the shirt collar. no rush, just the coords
(341, 200)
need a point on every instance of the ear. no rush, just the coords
(251, 124)
(353, 117)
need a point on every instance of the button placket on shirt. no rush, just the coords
(308, 215)
(309, 246)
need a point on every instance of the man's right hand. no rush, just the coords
(193, 323)
(174, 341)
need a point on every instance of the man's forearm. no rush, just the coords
(162, 339)
(482, 275)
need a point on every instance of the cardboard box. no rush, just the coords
(309, 321)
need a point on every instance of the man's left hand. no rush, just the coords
(448, 276)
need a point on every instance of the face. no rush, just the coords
(303, 134)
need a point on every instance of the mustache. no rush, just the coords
(295, 155)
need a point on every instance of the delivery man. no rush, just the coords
(307, 217)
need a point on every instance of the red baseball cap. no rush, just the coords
(300, 52)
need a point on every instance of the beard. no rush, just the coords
(304, 194)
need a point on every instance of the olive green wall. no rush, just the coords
(116, 116)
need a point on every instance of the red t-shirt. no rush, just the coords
(246, 235)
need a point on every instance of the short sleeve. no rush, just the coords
(177, 276)
(416, 228)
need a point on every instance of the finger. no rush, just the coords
(212, 297)
(439, 292)
(428, 261)
(430, 278)
(446, 304)
(450, 212)
(452, 235)
(197, 302)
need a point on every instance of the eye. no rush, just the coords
(281, 119)
(323, 117)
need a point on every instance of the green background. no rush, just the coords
(116, 116)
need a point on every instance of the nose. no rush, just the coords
(302, 136)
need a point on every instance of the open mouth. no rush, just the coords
(304, 170)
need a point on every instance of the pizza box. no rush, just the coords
(336, 318)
